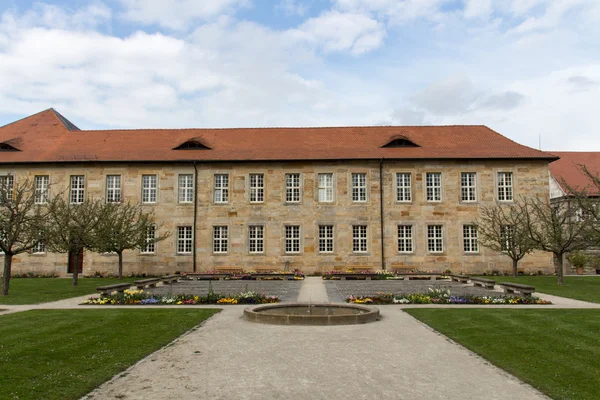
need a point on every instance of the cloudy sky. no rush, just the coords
(523, 67)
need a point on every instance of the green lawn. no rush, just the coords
(42, 290)
(580, 288)
(64, 354)
(555, 351)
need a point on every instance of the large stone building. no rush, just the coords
(307, 198)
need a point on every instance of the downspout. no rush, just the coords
(195, 216)
(381, 213)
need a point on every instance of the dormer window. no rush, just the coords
(7, 147)
(192, 144)
(400, 141)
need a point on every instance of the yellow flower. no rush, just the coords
(179, 302)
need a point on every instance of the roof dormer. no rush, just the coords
(192, 144)
(5, 146)
(399, 141)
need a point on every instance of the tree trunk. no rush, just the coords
(559, 268)
(120, 253)
(76, 269)
(514, 267)
(6, 276)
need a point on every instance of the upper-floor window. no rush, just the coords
(433, 181)
(359, 187)
(435, 239)
(359, 239)
(468, 186)
(405, 239)
(39, 248)
(257, 188)
(149, 188)
(325, 188)
(403, 189)
(77, 195)
(505, 186)
(113, 188)
(184, 240)
(6, 185)
(221, 188)
(186, 188)
(470, 239)
(41, 189)
(150, 247)
(256, 238)
(220, 239)
(292, 188)
(325, 238)
(292, 239)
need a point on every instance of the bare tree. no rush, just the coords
(125, 226)
(22, 222)
(588, 200)
(501, 228)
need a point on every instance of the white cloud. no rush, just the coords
(478, 8)
(292, 7)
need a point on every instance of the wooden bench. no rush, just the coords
(207, 276)
(357, 275)
(510, 288)
(150, 282)
(270, 275)
(360, 268)
(481, 282)
(168, 279)
(402, 269)
(232, 270)
(459, 278)
(420, 275)
(117, 287)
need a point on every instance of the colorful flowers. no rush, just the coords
(442, 296)
(135, 297)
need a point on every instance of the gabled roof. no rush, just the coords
(567, 172)
(49, 137)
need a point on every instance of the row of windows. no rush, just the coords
(293, 187)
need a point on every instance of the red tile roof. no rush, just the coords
(49, 137)
(567, 169)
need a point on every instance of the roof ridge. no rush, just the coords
(68, 124)
(517, 143)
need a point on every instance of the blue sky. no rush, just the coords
(523, 67)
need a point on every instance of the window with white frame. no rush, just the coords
(325, 238)
(256, 239)
(6, 185)
(435, 239)
(113, 188)
(470, 239)
(41, 189)
(220, 239)
(468, 186)
(39, 248)
(150, 247)
(325, 188)
(221, 188)
(505, 186)
(292, 239)
(77, 195)
(506, 236)
(359, 238)
(403, 187)
(186, 188)
(433, 181)
(405, 239)
(149, 189)
(184, 240)
(359, 187)
(257, 188)
(292, 188)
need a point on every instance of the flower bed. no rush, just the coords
(139, 297)
(443, 296)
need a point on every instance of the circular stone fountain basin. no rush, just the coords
(311, 314)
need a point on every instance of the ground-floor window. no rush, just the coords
(470, 239)
(184, 239)
(220, 239)
(256, 239)
(405, 238)
(435, 239)
(359, 238)
(292, 239)
(325, 238)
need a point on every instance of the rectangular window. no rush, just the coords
(77, 189)
(41, 189)
(505, 186)
(150, 246)
(292, 239)
(470, 240)
(405, 239)
(149, 188)
(113, 188)
(39, 248)
(220, 239)
(435, 240)
(256, 239)
(359, 187)
(434, 186)
(403, 189)
(257, 188)
(184, 240)
(506, 236)
(186, 188)
(6, 185)
(468, 186)
(292, 188)
(325, 238)
(325, 188)
(359, 238)
(221, 188)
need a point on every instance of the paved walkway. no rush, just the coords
(313, 291)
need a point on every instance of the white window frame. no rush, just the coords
(403, 187)
(292, 236)
(113, 188)
(39, 248)
(326, 186)
(326, 239)
(149, 189)
(257, 188)
(468, 187)
(433, 187)
(470, 239)
(77, 189)
(185, 239)
(506, 235)
(221, 188)
(359, 187)
(360, 239)
(256, 239)
(220, 239)
(42, 183)
(7, 181)
(405, 239)
(185, 188)
(505, 186)
(150, 247)
(435, 238)
(293, 187)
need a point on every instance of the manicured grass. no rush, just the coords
(64, 354)
(555, 351)
(579, 288)
(42, 290)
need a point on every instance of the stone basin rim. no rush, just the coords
(254, 314)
